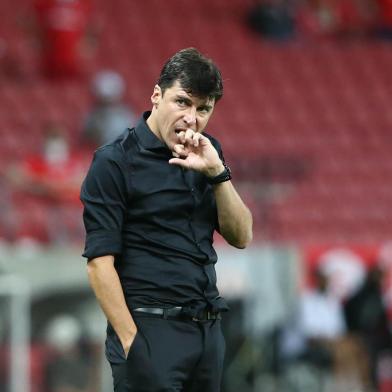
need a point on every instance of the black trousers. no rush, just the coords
(168, 355)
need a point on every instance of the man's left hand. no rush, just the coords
(195, 151)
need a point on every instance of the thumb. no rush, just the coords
(178, 162)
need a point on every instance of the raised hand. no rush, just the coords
(195, 151)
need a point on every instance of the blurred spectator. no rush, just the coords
(67, 370)
(62, 28)
(45, 190)
(316, 17)
(109, 117)
(272, 19)
(313, 336)
(326, 18)
(56, 173)
(322, 322)
(280, 19)
(366, 316)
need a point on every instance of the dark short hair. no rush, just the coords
(197, 74)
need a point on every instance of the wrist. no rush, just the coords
(127, 339)
(222, 176)
(215, 171)
(127, 335)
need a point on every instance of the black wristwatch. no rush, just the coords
(222, 177)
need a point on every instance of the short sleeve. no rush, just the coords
(104, 195)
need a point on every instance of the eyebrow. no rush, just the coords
(206, 106)
(185, 98)
(190, 102)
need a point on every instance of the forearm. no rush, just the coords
(106, 285)
(195, 151)
(235, 219)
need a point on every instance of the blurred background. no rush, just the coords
(306, 126)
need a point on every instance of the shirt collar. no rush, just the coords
(147, 138)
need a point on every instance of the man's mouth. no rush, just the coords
(178, 130)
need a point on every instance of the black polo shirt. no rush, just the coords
(157, 220)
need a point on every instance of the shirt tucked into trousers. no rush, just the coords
(158, 221)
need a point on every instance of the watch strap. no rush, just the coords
(221, 177)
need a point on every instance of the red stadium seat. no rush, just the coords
(323, 103)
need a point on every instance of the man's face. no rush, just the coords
(176, 111)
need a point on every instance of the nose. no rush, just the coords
(190, 116)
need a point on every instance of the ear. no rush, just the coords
(156, 95)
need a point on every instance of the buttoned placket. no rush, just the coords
(206, 268)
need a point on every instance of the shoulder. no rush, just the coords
(108, 153)
(118, 149)
(109, 165)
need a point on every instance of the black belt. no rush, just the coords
(178, 313)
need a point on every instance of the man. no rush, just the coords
(153, 199)
(62, 27)
(109, 116)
